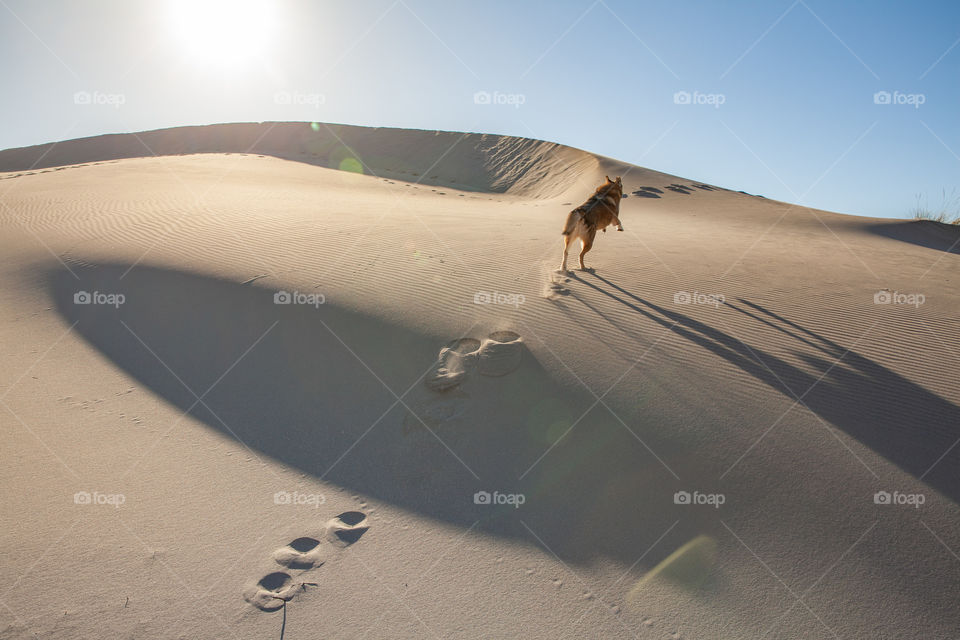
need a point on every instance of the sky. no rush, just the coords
(845, 106)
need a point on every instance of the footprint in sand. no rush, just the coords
(308, 552)
(272, 591)
(452, 364)
(648, 192)
(556, 285)
(500, 354)
(347, 528)
(497, 355)
(302, 553)
(276, 588)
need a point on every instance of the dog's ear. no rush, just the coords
(608, 178)
(619, 181)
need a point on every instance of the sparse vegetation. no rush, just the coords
(948, 212)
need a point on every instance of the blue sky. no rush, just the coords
(782, 94)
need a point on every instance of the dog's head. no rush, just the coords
(613, 186)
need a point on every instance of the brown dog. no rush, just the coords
(599, 211)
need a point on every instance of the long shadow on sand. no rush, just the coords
(908, 425)
(317, 387)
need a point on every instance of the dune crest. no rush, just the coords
(466, 161)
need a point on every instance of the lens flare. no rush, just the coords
(351, 164)
(686, 567)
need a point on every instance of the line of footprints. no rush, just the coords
(497, 355)
(275, 589)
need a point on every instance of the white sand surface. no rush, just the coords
(726, 345)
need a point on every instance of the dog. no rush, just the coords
(600, 211)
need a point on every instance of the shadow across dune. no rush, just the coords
(905, 423)
(316, 387)
(924, 233)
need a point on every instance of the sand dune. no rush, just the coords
(301, 380)
(472, 162)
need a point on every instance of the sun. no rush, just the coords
(222, 32)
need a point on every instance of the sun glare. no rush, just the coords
(222, 32)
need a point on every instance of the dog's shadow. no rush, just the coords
(915, 429)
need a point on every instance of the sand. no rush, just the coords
(248, 390)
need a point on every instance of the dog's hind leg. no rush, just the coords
(587, 244)
(566, 247)
(573, 218)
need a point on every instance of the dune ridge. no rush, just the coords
(467, 161)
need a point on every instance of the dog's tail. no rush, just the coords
(575, 216)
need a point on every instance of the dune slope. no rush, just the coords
(329, 377)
